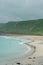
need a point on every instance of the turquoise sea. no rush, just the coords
(11, 47)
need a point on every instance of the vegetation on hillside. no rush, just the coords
(23, 27)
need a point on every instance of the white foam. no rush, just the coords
(25, 41)
(5, 37)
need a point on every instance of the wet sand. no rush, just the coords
(38, 43)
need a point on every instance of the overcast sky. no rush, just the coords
(11, 10)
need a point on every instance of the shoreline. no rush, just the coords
(37, 43)
(24, 43)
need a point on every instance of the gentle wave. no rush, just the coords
(20, 41)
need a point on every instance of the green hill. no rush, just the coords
(23, 27)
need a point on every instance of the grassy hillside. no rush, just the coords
(24, 27)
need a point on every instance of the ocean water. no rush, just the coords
(11, 47)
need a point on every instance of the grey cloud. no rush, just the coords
(20, 10)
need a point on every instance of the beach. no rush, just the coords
(36, 58)
(38, 43)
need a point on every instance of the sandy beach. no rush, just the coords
(38, 43)
(34, 59)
